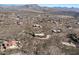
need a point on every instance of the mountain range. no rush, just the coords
(35, 7)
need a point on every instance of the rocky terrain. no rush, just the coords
(40, 31)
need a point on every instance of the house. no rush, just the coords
(56, 30)
(37, 26)
(10, 44)
(77, 23)
(69, 44)
(69, 27)
(39, 34)
(45, 38)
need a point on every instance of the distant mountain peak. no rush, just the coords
(32, 6)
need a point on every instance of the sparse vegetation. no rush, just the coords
(40, 32)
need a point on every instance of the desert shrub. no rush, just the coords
(73, 37)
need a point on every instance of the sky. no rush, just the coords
(39, 1)
(48, 3)
(61, 5)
